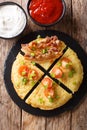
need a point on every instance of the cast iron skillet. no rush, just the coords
(11, 57)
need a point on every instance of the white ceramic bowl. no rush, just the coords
(13, 20)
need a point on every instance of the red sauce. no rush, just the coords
(46, 11)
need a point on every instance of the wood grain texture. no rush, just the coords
(79, 32)
(30, 122)
(79, 22)
(11, 116)
(9, 112)
(60, 122)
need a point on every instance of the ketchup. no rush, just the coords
(46, 11)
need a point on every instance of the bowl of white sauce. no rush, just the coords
(13, 20)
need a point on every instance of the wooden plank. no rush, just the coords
(79, 29)
(30, 122)
(10, 114)
(79, 26)
(60, 122)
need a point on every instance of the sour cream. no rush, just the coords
(12, 20)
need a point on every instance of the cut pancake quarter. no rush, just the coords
(69, 70)
(48, 95)
(44, 51)
(24, 75)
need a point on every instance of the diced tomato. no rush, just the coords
(57, 72)
(49, 92)
(47, 82)
(23, 70)
(33, 74)
(65, 62)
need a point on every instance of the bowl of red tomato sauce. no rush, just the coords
(46, 12)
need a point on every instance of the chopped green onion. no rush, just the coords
(68, 65)
(24, 73)
(33, 62)
(22, 62)
(39, 36)
(32, 54)
(33, 48)
(45, 86)
(32, 75)
(41, 100)
(71, 73)
(44, 51)
(32, 83)
(30, 78)
(52, 75)
(24, 81)
(50, 99)
(59, 63)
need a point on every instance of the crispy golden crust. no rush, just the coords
(38, 100)
(73, 83)
(21, 89)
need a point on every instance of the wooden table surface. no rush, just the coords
(12, 117)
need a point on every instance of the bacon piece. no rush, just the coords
(51, 44)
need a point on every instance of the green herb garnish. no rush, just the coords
(71, 73)
(44, 51)
(24, 81)
(33, 74)
(32, 82)
(24, 73)
(33, 48)
(68, 65)
(50, 99)
(52, 75)
(32, 54)
(39, 36)
(41, 100)
(45, 86)
(33, 62)
(22, 62)
(59, 63)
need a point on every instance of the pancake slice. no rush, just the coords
(24, 75)
(69, 70)
(48, 95)
(43, 51)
